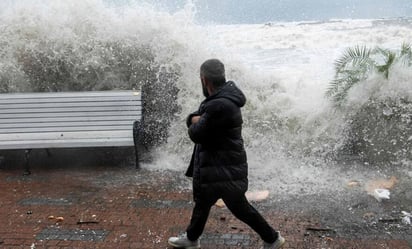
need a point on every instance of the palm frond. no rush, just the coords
(351, 68)
(406, 49)
(406, 54)
(358, 56)
(339, 88)
(357, 63)
(388, 57)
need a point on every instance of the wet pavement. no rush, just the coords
(99, 205)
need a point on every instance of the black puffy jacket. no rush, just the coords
(219, 163)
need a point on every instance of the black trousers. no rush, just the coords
(240, 208)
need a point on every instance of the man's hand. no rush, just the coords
(195, 119)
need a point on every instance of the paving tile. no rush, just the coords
(72, 234)
(46, 201)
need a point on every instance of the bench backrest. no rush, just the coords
(68, 119)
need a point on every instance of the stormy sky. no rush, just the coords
(261, 11)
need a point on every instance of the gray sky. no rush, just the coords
(261, 11)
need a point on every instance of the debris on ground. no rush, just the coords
(381, 194)
(379, 188)
(257, 195)
(320, 229)
(368, 215)
(83, 222)
(406, 219)
(92, 220)
(57, 219)
(381, 183)
(389, 220)
(353, 184)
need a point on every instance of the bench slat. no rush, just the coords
(62, 129)
(73, 105)
(12, 121)
(79, 124)
(88, 94)
(66, 139)
(65, 135)
(132, 113)
(75, 143)
(51, 99)
(69, 109)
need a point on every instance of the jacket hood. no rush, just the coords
(230, 91)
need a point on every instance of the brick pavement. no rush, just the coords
(109, 207)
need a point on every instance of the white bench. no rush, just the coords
(69, 120)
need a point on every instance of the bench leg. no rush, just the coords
(137, 157)
(27, 166)
(136, 137)
(2, 159)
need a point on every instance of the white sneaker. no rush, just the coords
(183, 242)
(275, 245)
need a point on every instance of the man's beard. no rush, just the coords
(205, 92)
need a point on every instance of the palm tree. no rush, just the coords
(351, 68)
(357, 63)
(371, 131)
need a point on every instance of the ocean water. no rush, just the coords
(294, 136)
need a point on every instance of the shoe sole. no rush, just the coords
(282, 243)
(187, 247)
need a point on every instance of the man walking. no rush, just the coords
(219, 164)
